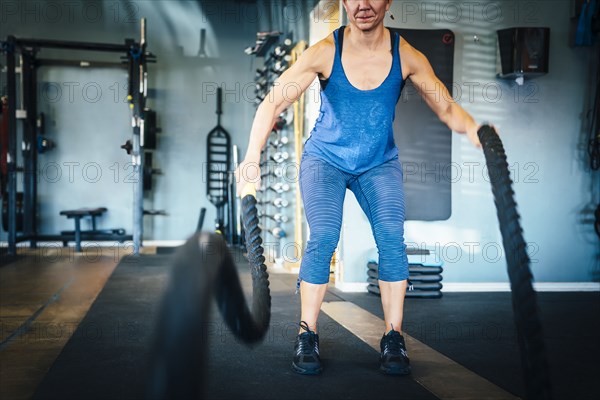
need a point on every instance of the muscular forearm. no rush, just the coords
(461, 121)
(261, 128)
(458, 119)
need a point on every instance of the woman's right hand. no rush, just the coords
(247, 173)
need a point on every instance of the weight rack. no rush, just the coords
(277, 192)
(136, 59)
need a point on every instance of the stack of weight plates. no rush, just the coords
(425, 275)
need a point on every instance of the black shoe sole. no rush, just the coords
(306, 371)
(395, 371)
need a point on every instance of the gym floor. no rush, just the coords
(78, 326)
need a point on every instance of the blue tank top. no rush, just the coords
(354, 130)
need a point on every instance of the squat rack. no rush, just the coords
(136, 60)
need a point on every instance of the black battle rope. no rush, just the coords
(204, 268)
(524, 301)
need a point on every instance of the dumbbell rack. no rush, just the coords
(276, 195)
(425, 275)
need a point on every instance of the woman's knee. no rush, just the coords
(393, 261)
(321, 247)
(389, 236)
(393, 272)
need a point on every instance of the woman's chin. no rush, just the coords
(365, 24)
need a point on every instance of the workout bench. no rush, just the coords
(77, 215)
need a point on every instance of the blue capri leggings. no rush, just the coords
(379, 192)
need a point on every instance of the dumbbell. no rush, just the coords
(260, 91)
(277, 217)
(283, 50)
(280, 156)
(278, 202)
(261, 83)
(278, 232)
(277, 173)
(280, 142)
(261, 72)
(279, 67)
(279, 187)
(258, 100)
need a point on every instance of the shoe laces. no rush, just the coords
(307, 343)
(393, 343)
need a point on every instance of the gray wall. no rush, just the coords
(542, 127)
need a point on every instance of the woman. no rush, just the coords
(361, 68)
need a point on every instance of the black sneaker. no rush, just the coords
(394, 359)
(306, 352)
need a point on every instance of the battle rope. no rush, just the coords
(204, 268)
(524, 301)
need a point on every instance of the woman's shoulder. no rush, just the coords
(322, 54)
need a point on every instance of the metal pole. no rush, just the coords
(138, 192)
(136, 159)
(237, 199)
(46, 62)
(28, 95)
(137, 57)
(34, 129)
(60, 44)
(143, 33)
(12, 146)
